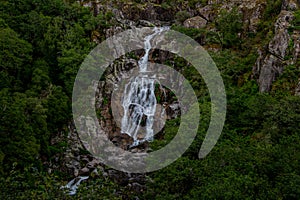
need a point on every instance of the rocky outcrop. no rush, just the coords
(274, 56)
(296, 48)
(78, 162)
(207, 12)
(272, 60)
(195, 22)
(251, 10)
(148, 11)
(291, 5)
(253, 14)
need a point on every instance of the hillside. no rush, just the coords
(255, 45)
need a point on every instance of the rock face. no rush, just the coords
(290, 5)
(296, 47)
(149, 11)
(251, 10)
(272, 60)
(253, 15)
(207, 12)
(195, 22)
(76, 161)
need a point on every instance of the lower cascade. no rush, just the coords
(139, 101)
(72, 186)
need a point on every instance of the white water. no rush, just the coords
(72, 186)
(139, 101)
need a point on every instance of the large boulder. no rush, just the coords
(195, 22)
(289, 5)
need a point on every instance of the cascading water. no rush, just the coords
(139, 101)
(72, 186)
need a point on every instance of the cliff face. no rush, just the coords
(272, 60)
(281, 50)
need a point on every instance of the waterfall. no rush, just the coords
(139, 101)
(72, 186)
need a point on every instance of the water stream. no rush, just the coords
(139, 101)
(72, 186)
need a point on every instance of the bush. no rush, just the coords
(229, 25)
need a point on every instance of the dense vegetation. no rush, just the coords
(42, 45)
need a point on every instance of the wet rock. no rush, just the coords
(195, 22)
(145, 23)
(76, 172)
(84, 171)
(137, 187)
(173, 110)
(113, 31)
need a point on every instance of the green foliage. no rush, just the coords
(273, 9)
(191, 32)
(104, 189)
(23, 122)
(296, 21)
(266, 25)
(255, 158)
(229, 25)
(58, 113)
(170, 129)
(15, 58)
(181, 16)
(195, 33)
(288, 80)
(42, 46)
(30, 184)
(236, 68)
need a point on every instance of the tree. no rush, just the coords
(15, 58)
(19, 128)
